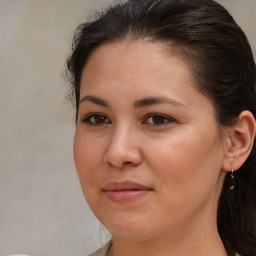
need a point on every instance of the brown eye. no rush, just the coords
(96, 119)
(157, 119)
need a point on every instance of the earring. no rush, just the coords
(232, 186)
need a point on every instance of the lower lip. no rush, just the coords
(124, 196)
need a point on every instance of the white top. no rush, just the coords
(103, 251)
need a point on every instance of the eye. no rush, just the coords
(158, 119)
(96, 119)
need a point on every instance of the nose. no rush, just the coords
(123, 148)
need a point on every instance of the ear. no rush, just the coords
(240, 140)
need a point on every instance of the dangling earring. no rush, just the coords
(232, 186)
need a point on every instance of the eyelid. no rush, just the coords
(168, 118)
(87, 117)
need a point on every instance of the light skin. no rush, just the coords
(142, 119)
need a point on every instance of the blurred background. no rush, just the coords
(42, 209)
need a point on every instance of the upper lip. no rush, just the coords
(124, 185)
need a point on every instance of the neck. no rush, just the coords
(208, 246)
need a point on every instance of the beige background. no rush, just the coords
(42, 209)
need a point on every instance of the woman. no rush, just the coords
(164, 144)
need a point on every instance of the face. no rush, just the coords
(147, 147)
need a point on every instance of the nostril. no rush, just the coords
(126, 163)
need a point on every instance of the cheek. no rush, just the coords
(87, 156)
(189, 161)
(171, 162)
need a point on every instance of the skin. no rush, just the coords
(179, 155)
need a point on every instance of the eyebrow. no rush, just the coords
(95, 100)
(157, 100)
(137, 104)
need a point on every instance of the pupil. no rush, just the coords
(99, 119)
(158, 119)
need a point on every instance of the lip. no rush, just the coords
(126, 191)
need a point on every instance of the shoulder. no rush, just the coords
(103, 250)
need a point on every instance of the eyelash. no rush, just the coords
(88, 120)
(165, 119)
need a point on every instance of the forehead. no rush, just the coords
(135, 64)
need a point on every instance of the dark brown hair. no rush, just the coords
(218, 52)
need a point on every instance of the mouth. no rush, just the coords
(126, 191)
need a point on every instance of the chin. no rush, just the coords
(133, 229)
